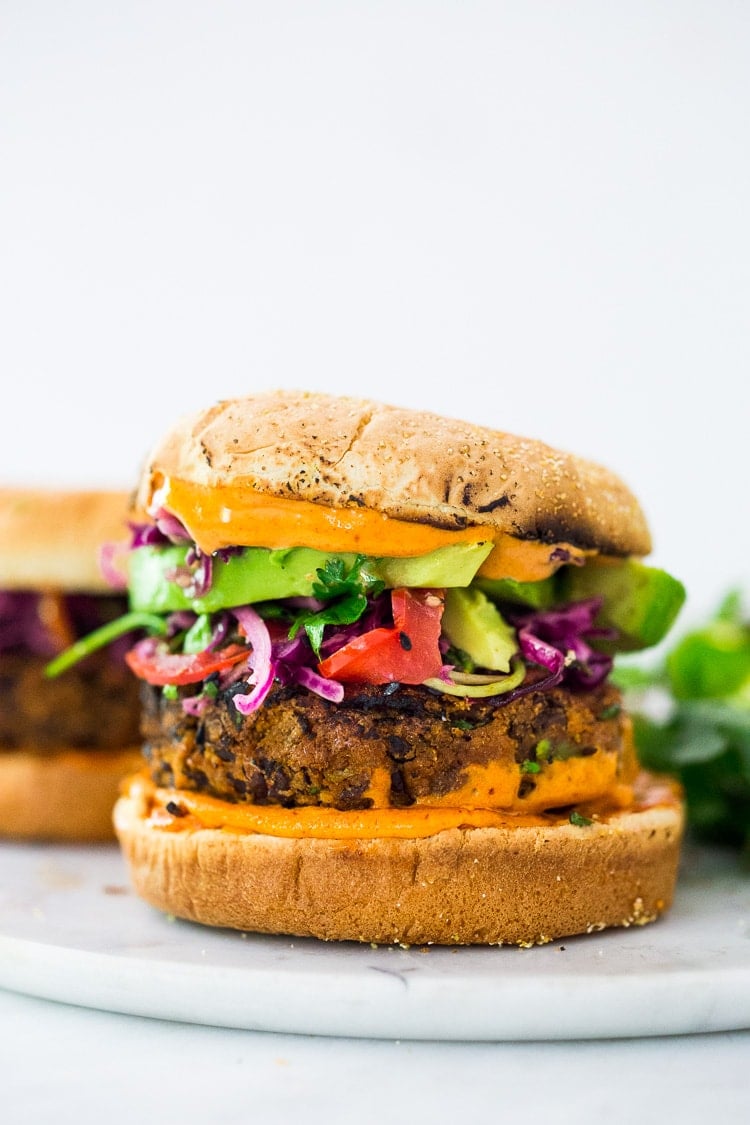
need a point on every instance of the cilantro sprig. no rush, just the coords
(704, 737)
(346, 592)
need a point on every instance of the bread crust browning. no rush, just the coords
(460, 887)
(52, 539)
(411, 465)
(67, 796)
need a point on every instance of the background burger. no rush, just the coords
(64, 743)
(377, 704)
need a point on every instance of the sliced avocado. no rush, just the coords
(474, 624)
(640, 601)
(447, 566)
(538, 595)
(254, 576)
(258, 574)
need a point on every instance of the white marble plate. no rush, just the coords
(71, 930)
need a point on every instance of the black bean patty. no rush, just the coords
(298, 749)
(92, 706)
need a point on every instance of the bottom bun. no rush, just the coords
(462, 886)
(66, 796)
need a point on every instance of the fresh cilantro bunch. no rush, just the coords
(704, 737)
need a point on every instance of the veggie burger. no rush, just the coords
(375, 682)
(64, 744)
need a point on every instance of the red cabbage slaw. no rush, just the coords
(557, 641)
(554, 641)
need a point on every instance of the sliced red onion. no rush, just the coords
(331, 690)
(252, 700)
(259, 660)
(110, 555)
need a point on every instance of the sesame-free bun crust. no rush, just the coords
(52, 540)
(461, 886)
(67, 796)
(411, 465)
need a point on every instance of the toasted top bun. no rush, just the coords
(52, 540)
(408, 464)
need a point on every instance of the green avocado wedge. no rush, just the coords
(640, 601)
(258, 574)
(474, 624)
(534, 595)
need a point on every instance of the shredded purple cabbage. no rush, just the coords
(195, 576)
(286, 661)
(557, 640)
(22, 627)
(146, 535)
(179, 621)
(166, 529)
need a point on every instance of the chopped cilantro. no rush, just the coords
(198, 636)
(169, 691)
(580, 821)
(335, 581)
(460, 659)
(542, 749)
(347, 591)
(530, 767)
(610, 712)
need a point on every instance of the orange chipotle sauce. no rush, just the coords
(198, 811)
(230, 516)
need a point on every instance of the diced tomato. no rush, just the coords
(151, 661)
(408, 653)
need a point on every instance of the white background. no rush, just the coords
(533, 215)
